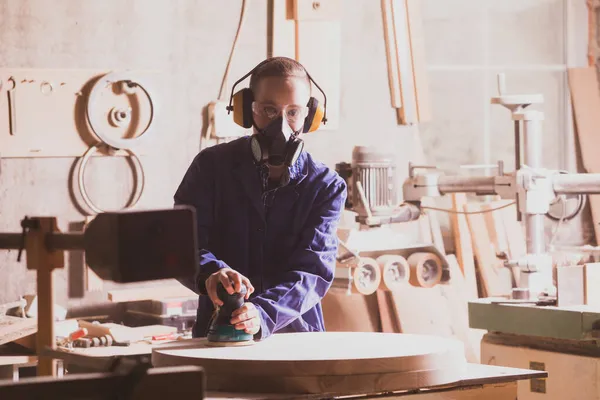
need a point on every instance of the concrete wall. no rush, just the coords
(467, 43)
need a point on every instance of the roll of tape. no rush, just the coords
(425, 269)
(395, 271)
(94, 117)
(366, 276)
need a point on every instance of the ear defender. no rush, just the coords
(314, 117)
(242, 108)
(241, 105)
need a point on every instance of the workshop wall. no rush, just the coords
(189, 42)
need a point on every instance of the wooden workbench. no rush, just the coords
(10, 364)
(473, 382)
(480, 382)
(560, 340)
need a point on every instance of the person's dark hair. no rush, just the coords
(281, 67)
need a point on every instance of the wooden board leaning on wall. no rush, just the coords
(585, 92)
(312, 35)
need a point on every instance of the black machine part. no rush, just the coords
(127, 246)
(141, 246)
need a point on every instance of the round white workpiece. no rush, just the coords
(322, 362)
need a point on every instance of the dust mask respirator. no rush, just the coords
(277, 144)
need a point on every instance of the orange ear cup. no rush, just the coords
(242, 108)
(314, 117)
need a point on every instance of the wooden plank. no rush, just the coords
(570, 285)
(44, 262)
(408, 112)
(567, 374)
(344, 312)
(506, 233)
(457, 296)
(434, 225)
(13, 328)
(305, 10)
(592, 49)
(571, 323)
(515, 232)
(282, 29)
(591, 284)
(17, 360)
(496, 279)
(442, 311)
(149, 293)
(583, 84)
(388, 314)
(463, 244)
(391, 53)
(119, 333)
(417, 50)
(495, 226)
(318, 49)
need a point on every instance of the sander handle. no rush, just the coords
(231, 302)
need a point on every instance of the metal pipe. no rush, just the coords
(54, 241)
(576, 183)
(533, 141)
(10, 240)
(534, 232)
(467, 184)
(65, 241)
(534, 223)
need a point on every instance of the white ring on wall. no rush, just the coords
(138, 171)
(94, 119)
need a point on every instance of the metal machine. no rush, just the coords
(373, 183)
(373, 256)
(532, 186)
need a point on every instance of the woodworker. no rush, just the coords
(269, 222)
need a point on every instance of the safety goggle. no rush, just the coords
(291, 112)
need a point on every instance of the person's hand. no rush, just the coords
(247, 318)
(232, 282)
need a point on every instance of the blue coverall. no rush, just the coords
(287, 247)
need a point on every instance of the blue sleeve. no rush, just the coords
(197, 189)
(311, 267)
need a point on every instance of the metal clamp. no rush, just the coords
(94, 118)
(138, 171)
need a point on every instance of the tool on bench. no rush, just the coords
(221, 330)
(73, 336)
